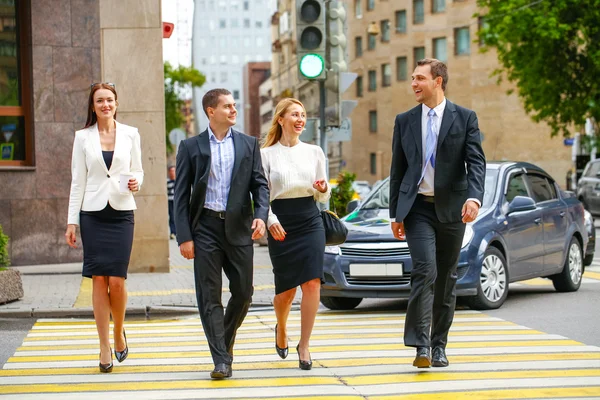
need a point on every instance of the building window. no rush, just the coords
(373, 121)
(258, 24)
(418, 11)
(385, 30)
(358, 46)
(386, 75)
(462, 41)
(236, 94)
(359, 86)
(372, 41)
(439, 49)
(358, 9)
(246, 5)
(222, 23)
(401, 21)
(372, 81)
(418, 54)
(223, 59)
(16, 134)
(223, 76)
(234, 23)
(438, 6)
(370, 5)
(373, 163)
(246, 23)
(401, 69)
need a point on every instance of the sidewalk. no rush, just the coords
(60, 290)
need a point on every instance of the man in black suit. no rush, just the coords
(436, 186)
(216, 222)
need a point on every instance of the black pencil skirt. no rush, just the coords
(299, 257)
(107, 236)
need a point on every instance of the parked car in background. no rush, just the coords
(362, 188)
(588, 187)
(527, 227)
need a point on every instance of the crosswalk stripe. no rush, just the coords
(497, 394)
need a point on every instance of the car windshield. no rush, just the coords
(380, 198)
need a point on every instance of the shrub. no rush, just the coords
(342, 193)
(4, 260)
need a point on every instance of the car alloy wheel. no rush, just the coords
(493, 278)
(569, 279)
(575, 263)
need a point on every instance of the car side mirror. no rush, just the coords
(351, 206)
(521, 203)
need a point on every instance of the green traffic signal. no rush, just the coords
(312, 65)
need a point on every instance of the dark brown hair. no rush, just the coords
(211, 98)
(91, 117)
(438, 68)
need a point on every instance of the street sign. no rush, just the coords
(176, 136)
(343, 133)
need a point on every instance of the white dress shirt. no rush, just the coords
(426, 186)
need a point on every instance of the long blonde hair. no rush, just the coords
(275, 132)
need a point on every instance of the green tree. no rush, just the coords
(176, 80)
(551, 50)
(4, 260)
(342, 193)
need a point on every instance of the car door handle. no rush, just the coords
(562, 214)
(537, 221)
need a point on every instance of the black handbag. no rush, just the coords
(335, 230)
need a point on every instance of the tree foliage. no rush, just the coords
(4, 260)
(551, 50)
(176, 81)
(342, 193)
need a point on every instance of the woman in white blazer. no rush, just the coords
(104, 152)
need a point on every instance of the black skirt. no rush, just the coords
(299, 257)
(107, 236)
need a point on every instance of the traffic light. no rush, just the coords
(337, 60)
(311, 39)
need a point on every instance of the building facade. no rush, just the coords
(52, 51)
(255, 73)
(227, 34)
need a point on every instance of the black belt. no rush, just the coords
(212, 213)
(429, 199)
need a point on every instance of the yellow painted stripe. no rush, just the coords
(468, 375)
(497, 394)
(317, 349)
(84, 298)
(339, 362)
(592, 275)
(179, 343)
(168, 385)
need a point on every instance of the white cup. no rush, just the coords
(124, 182)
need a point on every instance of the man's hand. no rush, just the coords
(398, 230)
(258, 225)
(277, 231)
(187, 249)
(469, 211)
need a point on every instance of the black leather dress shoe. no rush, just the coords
(283, 352)
(423, 358)
(221, 371)
(438, 357)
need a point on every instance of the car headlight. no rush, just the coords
(333, 250)
(469, 232)
(589, 220)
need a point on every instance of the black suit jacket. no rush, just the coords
(193, 168)
(459, 163)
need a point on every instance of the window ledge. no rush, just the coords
(16, 168)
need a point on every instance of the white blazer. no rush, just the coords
(92, 184)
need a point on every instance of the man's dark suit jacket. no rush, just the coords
(459, 143)
(193, 168)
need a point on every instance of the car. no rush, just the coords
(527, 227)
(588, 187)
(361, 188)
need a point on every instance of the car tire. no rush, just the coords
(588, 260)
(492, 289)
(569, 279)
(340, 303)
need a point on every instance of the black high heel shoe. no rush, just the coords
(122, 355)
(283, 352)
(305, 365)
(106, 367)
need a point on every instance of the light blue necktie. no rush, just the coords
(430, 143)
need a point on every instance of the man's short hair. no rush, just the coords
(438, 68)
(211, 98)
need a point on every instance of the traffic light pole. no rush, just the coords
(322, 123)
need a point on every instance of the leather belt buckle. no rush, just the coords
(221, 214)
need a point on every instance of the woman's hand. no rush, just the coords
(277, 232)
(70, 236)
(320, 185)
(133, 185)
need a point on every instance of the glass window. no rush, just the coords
(370, 5)
(516, 187)
(359, 86)
(358, 46)
(592, 171)
(489, 188)
(373, 121)
(235, 23)
(246, 23)
(223, 76)
(385, 30)
(386, 75)
(246, 5)
(401, 69)
(258, 24)
(542, 188)
(462, 41)
(223, 59)
(418, 54)
(223, 43)
(259, 42)
(222, 23)
(358, 8)
(372, 81)
(372, 41)
(401, 21)
(418, 11)
(439, 49)
(235, 59)
(236, 94)
(373, 163)
(438, 6)
(246, 42)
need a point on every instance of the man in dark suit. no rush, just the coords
(217, 171)
(436, 186)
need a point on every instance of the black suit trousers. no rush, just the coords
(434, 249)
(214, 255)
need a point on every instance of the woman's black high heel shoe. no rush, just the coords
(305, 365)
(122, 355)
(283, 353)
(106, 367)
